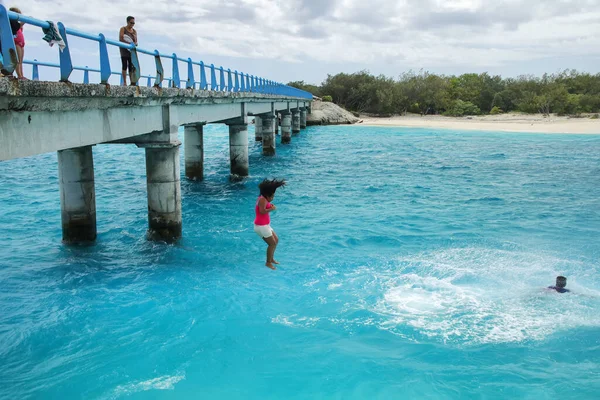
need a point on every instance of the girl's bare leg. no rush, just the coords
(276, 243)
(270, 251)
(20, 54)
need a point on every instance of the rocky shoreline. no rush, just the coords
(326, 113)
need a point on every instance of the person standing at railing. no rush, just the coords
(17, 31)
(127, 35)
(1, 74)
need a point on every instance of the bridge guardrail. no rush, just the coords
(228, 81)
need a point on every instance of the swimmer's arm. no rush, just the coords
(262, 204)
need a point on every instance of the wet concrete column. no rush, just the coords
(276, 124)
(268, 134)
(77, 194)
(194, 151)
(258, 129)
(303, 114)
(295, 121)
(286, 127)
(238, 149)
(164, 192)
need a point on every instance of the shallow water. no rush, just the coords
(412, 266)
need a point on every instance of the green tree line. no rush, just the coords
(567, 93)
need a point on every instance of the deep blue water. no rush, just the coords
(412, 266)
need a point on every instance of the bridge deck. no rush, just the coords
(38, 117)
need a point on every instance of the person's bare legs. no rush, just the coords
(270, 251)
(276, 243)
(19, 66)
(124, 73)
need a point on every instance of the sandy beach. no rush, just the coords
(504, 122)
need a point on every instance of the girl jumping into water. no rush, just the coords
(262, 222)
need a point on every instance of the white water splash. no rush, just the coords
(161, 383)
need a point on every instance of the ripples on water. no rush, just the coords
(412, 267)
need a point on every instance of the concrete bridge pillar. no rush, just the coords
(295, 121)
(286, 127)
(164, 191)
(276, 124)
(77, 194)
(238, 149)
(303, 114)
(194, 151)
(258, 129)
(268, 134)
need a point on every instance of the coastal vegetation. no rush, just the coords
(565, 93)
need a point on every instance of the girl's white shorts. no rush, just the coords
(264, 231)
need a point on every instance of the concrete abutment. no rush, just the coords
(295, 121)
(303, 116)
(194, 151)
(268, 134)
(164, 192)
(238, 150)
(286, 127)
(77, 194)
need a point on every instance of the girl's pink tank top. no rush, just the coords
(261, 219)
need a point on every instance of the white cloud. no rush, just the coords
(410, 33)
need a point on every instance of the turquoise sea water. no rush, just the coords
(412, 267)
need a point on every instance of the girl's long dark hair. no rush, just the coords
(268, 186)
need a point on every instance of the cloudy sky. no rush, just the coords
(307, 39)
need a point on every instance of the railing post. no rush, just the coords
(222, 79)
(236, 88)
(149, 82)
(160, 73)
(229, 82)
(191, 83)
(248, 85)
(243, 82)
(213, 78)
(35, 71)
(136, 67)
(9, 59)
(86, 76)
(203, 84)
(104, 61)
(66, 65)
(176, 80)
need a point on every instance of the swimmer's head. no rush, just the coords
(561, 281)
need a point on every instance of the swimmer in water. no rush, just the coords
(561, 282)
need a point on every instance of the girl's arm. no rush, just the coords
(121, 33)
(262, 204)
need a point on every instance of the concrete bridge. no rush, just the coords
(38, 117)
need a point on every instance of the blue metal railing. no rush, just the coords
(227, 81)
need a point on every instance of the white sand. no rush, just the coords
(504, 122)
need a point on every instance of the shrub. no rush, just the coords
(595, 116)
(327, 98)
(496, 110)
(461, 108)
